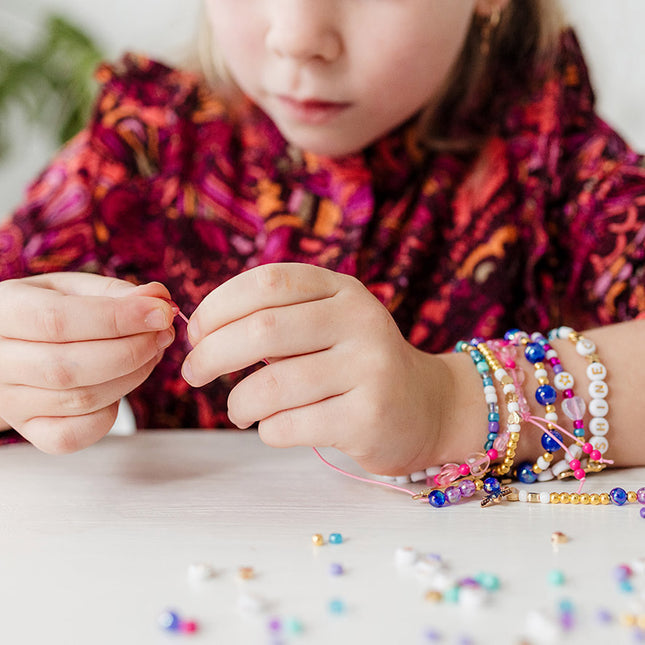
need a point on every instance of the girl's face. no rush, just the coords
(335, 75)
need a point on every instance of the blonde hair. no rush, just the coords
(524, 44)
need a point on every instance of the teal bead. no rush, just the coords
(293, 626)
(482, 367)
(487, 380)
(493, 416)
(335, 538)
(451, 595)
(336, 606)
(556, 577)
(488, 580)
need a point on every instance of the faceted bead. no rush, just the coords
(534, 353)
(640, 494)
(453, 494)
(545, 394)
(549, 443)
(491, 485)
(524, 473)
(437, 498)
(618, 496)
(574, 407)
(467, 488)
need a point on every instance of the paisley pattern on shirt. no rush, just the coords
(543, 226)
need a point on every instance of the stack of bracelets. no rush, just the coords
(565, 454)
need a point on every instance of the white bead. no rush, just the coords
(575, 450)
(251, 603)
(540, 374)
(490, 388)
(584, 347)
(500, 373)
(385, 478)
(564, 332)
(638, 565)
(599, 443)
(535, 336)
(514, 427)
(598, 389)
(563, 381)
(559, 467)
(427, 566)
(523, 495)
(405, 556)
(551, 416)
(545, 497)
(545, 476)
(520, 334)
(599, 426)
(432, 471)
(199, 571)
(491, 397)
(471, 597)
(598, 407)
(551, 354)
(443, 580)
(513, 406)
(402, 479)
(542, 463)
(509, 388)
(418, 476)
(596, 371)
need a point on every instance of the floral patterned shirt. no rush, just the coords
(543, 225)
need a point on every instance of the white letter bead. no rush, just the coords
(596, 371)
(563, 381)
(542, 463)
(545, 497)
(598, 407)
(560, 467)
(584, 347)
(599, 443)
(599, 426)
(598, 389)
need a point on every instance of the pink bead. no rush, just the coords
(574, 464)
(447, 475)
(568, 394)
(510, 364)
(579, 473)
(188, 627)
(501, 442)
(587, 448)
(492, 454)
(578, 423)
(596, 455)
(464, 469)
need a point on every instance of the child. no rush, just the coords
(375, 182)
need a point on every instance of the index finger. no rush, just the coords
(263, 287)
(41, 310)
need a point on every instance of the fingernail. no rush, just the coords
(187, 371)
(164, 338)
(193, 330)
(156, 319)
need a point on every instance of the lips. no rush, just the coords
(312, 111)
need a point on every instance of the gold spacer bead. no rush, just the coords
(479, 484)
(510, 452)
(536, 469)
(627, 620)
(575, 498)
(501, 470)
(555, 498)
(640, 621)
(548, 456)
(584, 498)
(538, 366)
(515, 437)
(511, 397)
(594, 498)
(513, 418)
(604, 498)
(246, 573)
(565, 498)
(632, 497)
(317, 539)
(543, 381)
(550, 407)
(433, 596)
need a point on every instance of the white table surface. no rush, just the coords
(96, 544)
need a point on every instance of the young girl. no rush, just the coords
(367, 183)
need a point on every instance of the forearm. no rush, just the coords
(620, 348)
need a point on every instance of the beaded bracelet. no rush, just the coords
(618, 496)
(598, 390)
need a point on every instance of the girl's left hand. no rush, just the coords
(339, 371)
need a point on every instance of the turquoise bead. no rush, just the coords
(335, 538)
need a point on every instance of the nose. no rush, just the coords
(304, 30)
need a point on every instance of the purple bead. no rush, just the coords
(604, 616)
(467, 488)
(640, 494)
(275, 625)
(453, 494)
(336, 569)
(642, 511)
(493, 426)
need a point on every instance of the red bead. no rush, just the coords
(587, 447)
(596, 455)
(492, 454)
(574, 464)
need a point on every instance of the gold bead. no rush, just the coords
(513, 418)
(632, 497)
(433, 596)
(508, 461)
(536, 469)
(565, 498)
(479, 484)
(246, 573)
(549, 408)
(533, 498)
(511, 397)
(640, 621)
(538, 366)
(506, 380)
(510, 452)
(604, 498)
(515, 437)
(555, 498)
(543, 381)
(317, 539)
(594, 498)
(548, 456)
(557, 537)
(627, 620)
(575, 498)
(584, 498)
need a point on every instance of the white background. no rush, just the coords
(611, 35)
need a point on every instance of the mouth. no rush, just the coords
(312, 111)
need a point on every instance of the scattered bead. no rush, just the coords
(405, 556)
(336, 569)
(604, 616)
(336, 606)
(640, 495)
(643, 511)
(557, 537)
(556, 577)
(293, 626)
(335, 538)
(188, 627)
(489, 581)
(246, 573)
(432, 635)
(317, 539)
(199, 572)
(433, 596)
(251, 603)
(169, 620)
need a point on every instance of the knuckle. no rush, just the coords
(58, 375)
(271, 277)
(262, 325)
(78, 400)
(51, 321)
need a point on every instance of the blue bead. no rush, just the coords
(336, 606)
(493, 416)
(510, 333)
(534, 352)
(549, 443)
(489, 444)
(491, 485)
(335, 538)
(492, 436)
(169, 620)
(487, 380)
(618, 496)
(579, 432)
(437, 498)
(545, 395)
(524, 473)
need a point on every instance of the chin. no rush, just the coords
(323, 144)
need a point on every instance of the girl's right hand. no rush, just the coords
(71, 346)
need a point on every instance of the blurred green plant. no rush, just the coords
(51, 83)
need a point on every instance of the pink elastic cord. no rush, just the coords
(364, 479)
